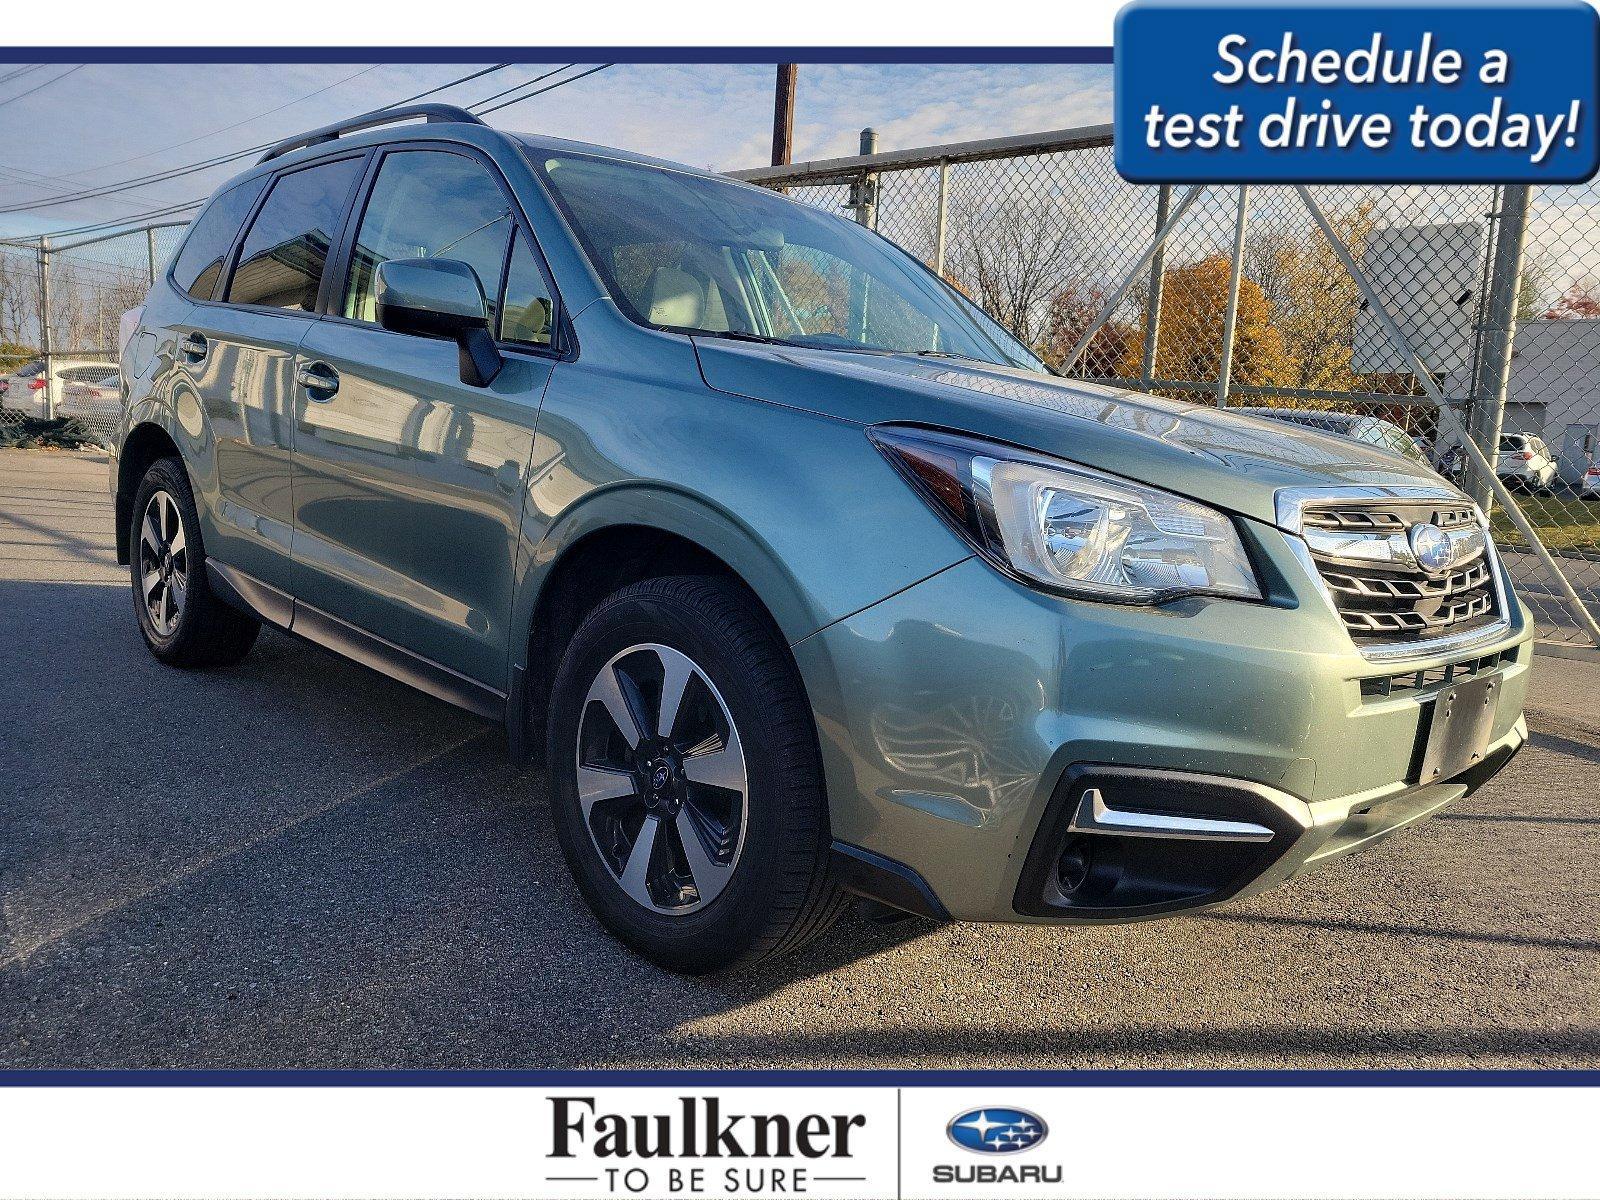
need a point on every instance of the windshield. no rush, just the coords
(684, 252)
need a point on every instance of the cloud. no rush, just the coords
(709, 115)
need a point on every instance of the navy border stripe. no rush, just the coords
(621, 54)
(799, 1078)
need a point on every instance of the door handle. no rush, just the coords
(194, 347)
(319, 379)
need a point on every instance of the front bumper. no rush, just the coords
(952, 715)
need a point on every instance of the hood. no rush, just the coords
(1228, 461)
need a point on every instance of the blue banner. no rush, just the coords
(1357, 93)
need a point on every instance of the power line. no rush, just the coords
(42, 86)
(130, 184)
(18, 175)
(451, 84)
(224, 129)
(95, 193)
(562, 83)
(10, 75)
(175, 209)
(129, 220)
(525, 83)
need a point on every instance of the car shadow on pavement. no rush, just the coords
(1567, 746)
(292, 862)
(298, 863)
(1592, 945)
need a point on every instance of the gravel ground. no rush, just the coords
(297, 863)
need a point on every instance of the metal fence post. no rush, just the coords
(944, 217)
(1163, 231)
(150, 252)
(1152, 308)
(1500, 331)
(1230, 318)
(44, 330)
(864, 194)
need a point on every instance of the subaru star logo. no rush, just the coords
(1432, 547)
(997, 1130)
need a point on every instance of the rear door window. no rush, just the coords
(199, 264)
(286, 250)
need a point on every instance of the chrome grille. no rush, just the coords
(1363, 553)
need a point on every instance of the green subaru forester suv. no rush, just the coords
(808, 581)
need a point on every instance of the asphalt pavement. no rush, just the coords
(298, 863)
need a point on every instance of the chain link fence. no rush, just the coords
(64, 364)
(1246, 304)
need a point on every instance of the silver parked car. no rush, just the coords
(1374, 431)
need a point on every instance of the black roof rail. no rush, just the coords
(446, 114)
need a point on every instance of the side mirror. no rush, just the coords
(440, 298)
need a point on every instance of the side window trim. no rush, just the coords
(226, 281)
(335, 277)
(504, 288)
(219, 293)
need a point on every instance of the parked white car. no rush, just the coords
(86, 390)
(1525, 463)
(1591, 480)
(21, 391)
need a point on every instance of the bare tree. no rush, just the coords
(19, 299)
(1017, 252)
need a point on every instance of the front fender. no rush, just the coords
(656, 506)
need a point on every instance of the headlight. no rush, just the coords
(1070, 529)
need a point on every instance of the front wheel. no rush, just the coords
(685, 779)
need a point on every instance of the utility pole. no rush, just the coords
(783, 115)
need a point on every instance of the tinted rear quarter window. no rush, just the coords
(200, 262)
(286, 250)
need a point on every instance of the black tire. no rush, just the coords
(781, 891)
(203, 630)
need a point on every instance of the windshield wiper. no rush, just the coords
(739, 335)
(987, 362)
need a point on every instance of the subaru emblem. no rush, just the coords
(1432, 547)
(997, 1130)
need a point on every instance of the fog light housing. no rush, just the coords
(1117, 843)
(1074, 864)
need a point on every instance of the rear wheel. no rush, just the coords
(686, 784)
(182, 620)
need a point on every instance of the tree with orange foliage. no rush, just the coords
(1194, 304)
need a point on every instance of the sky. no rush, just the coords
(104, 123)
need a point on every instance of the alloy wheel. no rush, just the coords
(163, 563)
(662, 783)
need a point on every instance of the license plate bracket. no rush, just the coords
(1459, 728)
